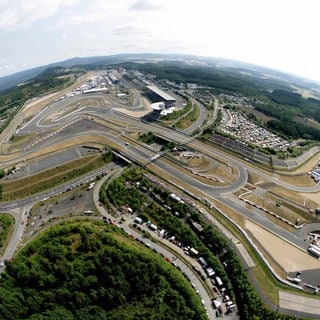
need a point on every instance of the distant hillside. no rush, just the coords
(245, 70)
(12, 80)
(23, 76)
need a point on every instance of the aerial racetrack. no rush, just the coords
(56, 131)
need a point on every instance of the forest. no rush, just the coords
(84, 269)
(202, 76)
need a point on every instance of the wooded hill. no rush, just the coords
(89, 270)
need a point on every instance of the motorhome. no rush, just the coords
(219, 281)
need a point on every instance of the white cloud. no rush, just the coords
(83, 19)
(17, 14)
(93, 13)
(129, 31)
(144, 5)
(281, 34)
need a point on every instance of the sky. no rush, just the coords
(280, 34)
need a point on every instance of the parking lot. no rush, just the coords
(73, 203)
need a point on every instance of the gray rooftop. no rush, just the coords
(161, 93)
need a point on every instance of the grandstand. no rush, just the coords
(162, 96)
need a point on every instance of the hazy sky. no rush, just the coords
(282, 34)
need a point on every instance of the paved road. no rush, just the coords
(20, 223)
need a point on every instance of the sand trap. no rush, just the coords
(286, 255)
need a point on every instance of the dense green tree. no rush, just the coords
(90, 270)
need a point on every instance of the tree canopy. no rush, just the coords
(90, 270)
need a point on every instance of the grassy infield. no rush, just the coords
(20, 188)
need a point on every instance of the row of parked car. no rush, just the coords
(206, 272)
(218, 288)
(138, 221)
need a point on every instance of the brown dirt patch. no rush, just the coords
(223, 172)
(309, 200)
(280, 206)
(288, 257)
(208, 168)
(264, 118)
(207, 171)
(254, 178)
(302, 180)
(199, 162)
